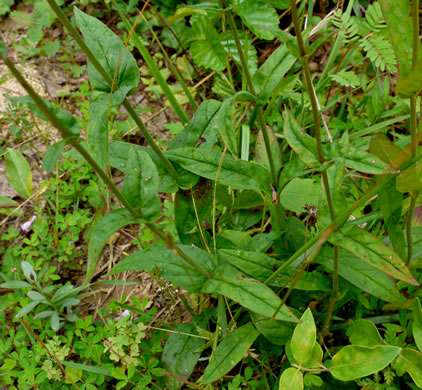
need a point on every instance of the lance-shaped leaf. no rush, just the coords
(304, 338)
(107, 48)
(372, 251)
(229, 352)
(355, 158)
(181, 353)
(248, 292)
(291, 379)
(261, 155)
(224, 120)
(170, 265)
(140, 187)
(272, 72)
(277, 332)
(18, 173)
(261, 267)
(303, 144)
(203, 120)
(417, 324)
(410, 361)
(258, 15)
(353, 362)
(248, 48)
(364, 333)
(110, 224)
(237, 174)
(360, 274)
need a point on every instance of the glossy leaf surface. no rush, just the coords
(304, 338)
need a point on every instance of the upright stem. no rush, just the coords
(108, 79)
(72, 140)
(317, 125)
(413, 130)
(261, 118)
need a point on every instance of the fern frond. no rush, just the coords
(346, 79)
(346, 24)
(380, 51)
(374, 19)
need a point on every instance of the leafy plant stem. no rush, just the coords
(72, 140)
(413, 130)
(107, 78)
(317, 126)
(260, 111)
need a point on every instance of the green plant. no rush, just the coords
(262, 224)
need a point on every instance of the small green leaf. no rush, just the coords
(19, 173)
(15, 284)
(417, 324)
(140, 187)
(304, 338)
(373, 251)
(55, 321)
(180, 354)
(248, 292)
(353, 362)
(259, 16)
(277, 332)
(237, 174)
(28, 270)
(107, 48)
(84, 367)
(52, 155)
(410, 361)
(291, 379)
(36, 296)
(364, 333)
(110, 224)
(229, 352)
(170, 265)
(303, 144)
(300, 193)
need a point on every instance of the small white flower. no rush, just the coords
(26, 227)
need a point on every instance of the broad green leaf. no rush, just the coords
(208, 52)
(373, 251)
(353, 362)
(237, 174)
(360, 274)
(355, 158)
(140, 187)
(52, 155)
(417, 324)
(15, 284)
(388, 152)
(300, 193)
(55, 322)
(390, 201)
(411, 85)
(84, 367)
(400, 27)
(364, 333)
(304, 338)
(203, 120)
(224, 120)
(303, 144)
(65, 118)
(272, 72)
(410, 361)
(170, 266)
(229, 352)
(248, 48)
(410, 179)
(279, 4)
(261, 267)
(258, 15)
(291, 379)
(110, 224)
(118, 157)
(18, 173)
(107, 48)
(180, 354)
(248, 292)
(277, 332)
(261, 155)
